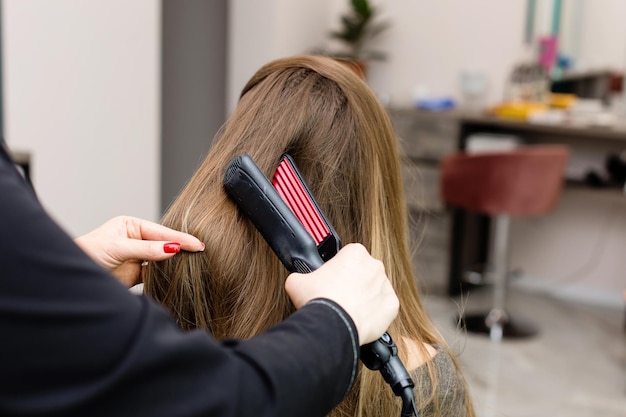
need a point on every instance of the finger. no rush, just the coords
(146, 230)
(149, 250)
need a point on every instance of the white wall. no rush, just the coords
(251, 43)
(81, 83)
(577, 251)
(432, 42)
(260, 31)
(604, 42)
(429, 43)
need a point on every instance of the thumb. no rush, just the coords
(294, 287)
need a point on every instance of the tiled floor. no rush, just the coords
(575, 366)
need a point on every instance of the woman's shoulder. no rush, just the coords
(450, 393)
(443, 364)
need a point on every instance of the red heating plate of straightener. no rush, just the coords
(292, 191)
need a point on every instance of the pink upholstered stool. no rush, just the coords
(526, 181)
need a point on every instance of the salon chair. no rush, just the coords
(525, 181)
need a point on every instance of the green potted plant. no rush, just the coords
(359, 26)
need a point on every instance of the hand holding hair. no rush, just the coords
(122, 243)
(355, 281)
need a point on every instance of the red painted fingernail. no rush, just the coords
(172, 247)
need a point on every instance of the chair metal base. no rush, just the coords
(506, 327)
(481, 275)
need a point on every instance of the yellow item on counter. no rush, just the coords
(561, 100)
(519, 110)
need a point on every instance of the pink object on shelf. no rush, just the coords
(547, 52)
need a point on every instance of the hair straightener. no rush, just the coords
(291, 222)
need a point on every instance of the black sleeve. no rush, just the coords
(74, 341)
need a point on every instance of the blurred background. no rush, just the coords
(110, 105)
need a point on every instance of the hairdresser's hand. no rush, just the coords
(355, 281)
(123, 243)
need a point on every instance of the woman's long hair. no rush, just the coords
(321, 113)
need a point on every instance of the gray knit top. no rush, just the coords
(451, 392)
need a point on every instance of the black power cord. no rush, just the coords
(382, 355)
(408, 403)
